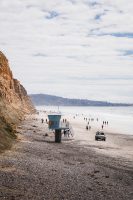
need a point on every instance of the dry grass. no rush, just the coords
(7, 136)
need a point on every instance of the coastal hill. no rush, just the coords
(45, 99)
(14, 103)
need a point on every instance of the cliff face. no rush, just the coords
(14, 103)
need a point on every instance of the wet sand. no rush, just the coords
(36, 168)
(116, 145)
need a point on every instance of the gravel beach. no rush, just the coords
(37, 168)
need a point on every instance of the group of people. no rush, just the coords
(90, 119)
(88, 127)
(42, 120)
(67, 133)
(104, 123)
(64, 120)
(67, 129)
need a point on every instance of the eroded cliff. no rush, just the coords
(14, 103)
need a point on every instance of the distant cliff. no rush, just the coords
(44, 99)
(14, 103)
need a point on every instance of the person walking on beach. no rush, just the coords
(68, 132)
(42, 120)
(102, 126)
(87, 127)
(65, 133)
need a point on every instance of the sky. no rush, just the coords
(70, 48)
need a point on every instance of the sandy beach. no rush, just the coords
(116, 144)
(37, 168)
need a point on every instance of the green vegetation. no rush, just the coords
(7, 135)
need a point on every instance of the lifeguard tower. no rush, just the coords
(54, 124)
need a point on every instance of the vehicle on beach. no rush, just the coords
(100, 136)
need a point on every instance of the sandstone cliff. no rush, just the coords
(14, 103)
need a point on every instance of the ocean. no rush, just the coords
(120, 118)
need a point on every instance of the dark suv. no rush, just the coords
(100, 136)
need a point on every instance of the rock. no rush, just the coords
(96, 171)
(14, 102)
(90, 188)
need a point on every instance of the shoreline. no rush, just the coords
(116, 144)
(37, 168)
(120, 120)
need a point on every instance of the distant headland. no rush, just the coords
(51, 100)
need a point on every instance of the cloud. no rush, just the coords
(73, 48)
(40, 55)
(52, 14)
(99, 16)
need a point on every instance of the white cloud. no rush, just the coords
(60, 46)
